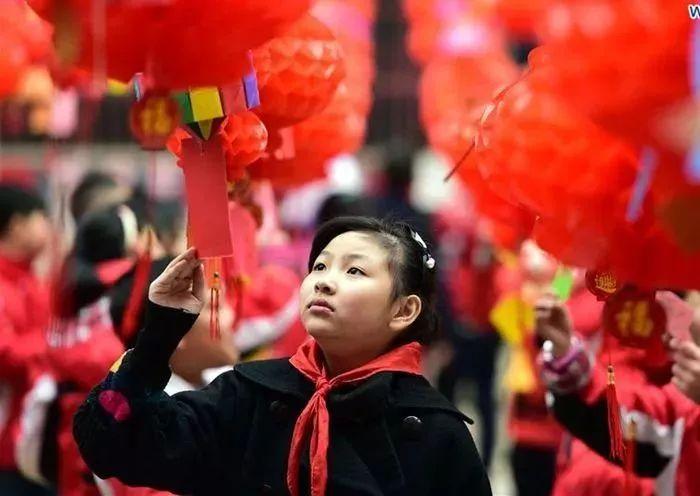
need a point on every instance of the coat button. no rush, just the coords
(279, 410)
(412, 427)
(266, 489)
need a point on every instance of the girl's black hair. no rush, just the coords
(410, 264)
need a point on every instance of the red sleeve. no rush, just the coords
(20, 353)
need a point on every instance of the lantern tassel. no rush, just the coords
(617, 447)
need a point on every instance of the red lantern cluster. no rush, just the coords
(178, 43)
(24, 39)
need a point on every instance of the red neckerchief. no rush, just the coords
(314, 418)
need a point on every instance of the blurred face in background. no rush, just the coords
(27, 236)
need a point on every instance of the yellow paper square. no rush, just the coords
(206, 103)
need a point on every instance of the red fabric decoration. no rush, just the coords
(298, 72)
(314, 423)
(519, 17)
(116, 404)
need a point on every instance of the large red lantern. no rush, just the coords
(298, 72)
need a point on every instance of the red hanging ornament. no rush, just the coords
(153, 119)
(603, 284)
(634, 317)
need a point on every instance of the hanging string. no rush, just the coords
(496, 100)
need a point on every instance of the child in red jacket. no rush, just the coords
(24, 318)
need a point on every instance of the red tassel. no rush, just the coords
(136, 298)
(617, 447)
(630, 459)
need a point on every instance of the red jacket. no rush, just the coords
(24, 319)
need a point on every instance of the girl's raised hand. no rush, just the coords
(181, 285)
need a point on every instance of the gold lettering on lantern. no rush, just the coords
(634, 319)
(155, 119)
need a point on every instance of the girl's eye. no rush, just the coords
(319, 266)
(355, 271)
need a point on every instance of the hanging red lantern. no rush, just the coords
(245, 138)
(153, 119)
(298, 73)
(580, 60)
(178, 43)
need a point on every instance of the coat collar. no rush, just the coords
(395, 390)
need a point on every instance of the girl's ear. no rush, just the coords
(405, 311)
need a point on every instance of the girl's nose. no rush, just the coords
(324, 287)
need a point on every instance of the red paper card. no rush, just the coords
(205, 181)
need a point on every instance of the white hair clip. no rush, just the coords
(428, 259)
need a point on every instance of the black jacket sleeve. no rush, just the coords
(461, 469)
(130, 429)
(589, 423)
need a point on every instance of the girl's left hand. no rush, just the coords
(181, 285)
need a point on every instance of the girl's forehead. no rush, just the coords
(356, 242)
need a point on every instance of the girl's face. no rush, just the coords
(346, 300)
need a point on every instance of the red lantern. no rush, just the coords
(635, 318)
(180, 43)
(298, 73)
(580, 60)
(245, 138)
(153, 119)
(340, 128)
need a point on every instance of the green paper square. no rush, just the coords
(183, 101)
(563, 283)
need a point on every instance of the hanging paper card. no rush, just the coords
(153, 119)
(602, 284)
(635, 318)
(205, 182)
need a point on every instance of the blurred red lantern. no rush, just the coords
(13, 61)
(298, 72)
(519, 17)
(178, 43)
(580, 59)
(339, 128)
(453, 95)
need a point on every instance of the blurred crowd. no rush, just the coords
(60, 332)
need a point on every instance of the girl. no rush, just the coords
(348, 414)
